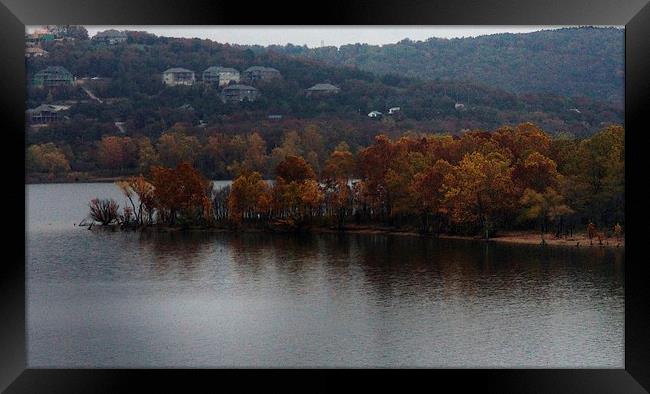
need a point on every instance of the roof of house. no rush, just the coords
(239, 87)
(323, 87)
(177, 70)
(375, 113)
(54, 70)
(49, 108)
(35, 50)
(261, 68)
(186, 107)
(217, 69)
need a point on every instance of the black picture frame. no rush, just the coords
(634, 14)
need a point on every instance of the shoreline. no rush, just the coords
(578, 240)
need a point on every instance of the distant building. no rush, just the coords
(275, 117)
(260, 73)
(459, 106)
(220, 76)
(322, 89)
(186, 107)
(53, 76)
(46, 113)
(35, 52)
(32, 38)
(39, 35)
(375, 114)
(178, 76)
(237, 93)
(110, 37)
(394, 110)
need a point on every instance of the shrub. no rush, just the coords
(104, 211)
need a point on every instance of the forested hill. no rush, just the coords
(121, 117)
(585, 61)
(141, 101)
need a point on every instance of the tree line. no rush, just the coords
(477, 183)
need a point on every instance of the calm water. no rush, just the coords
(210, 300)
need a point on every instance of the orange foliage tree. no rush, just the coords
(181, 193)
(117, 153)
(479, 190)
(250, 198)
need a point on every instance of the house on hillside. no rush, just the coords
(322, 89)
(46, 113)
(35, 52)
(459, 107)
(39, 35)
(186, 107)
(238, 93)
(110, 37)
(220, 76)
(178, 76)
(375, 114)
(53, 76)
(394, 110)
(260, 73)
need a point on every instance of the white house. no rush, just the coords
(375, 114)
(221, 76)
(47, 113)
(178, 76)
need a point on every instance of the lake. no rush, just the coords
(113, 299)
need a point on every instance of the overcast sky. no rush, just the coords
(314, 36)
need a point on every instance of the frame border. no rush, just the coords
(634, 14)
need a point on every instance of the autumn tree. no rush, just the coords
(147, 155)
(407, 160)
(294, 169)
(536, 172)
(46, 158)
(250, 197)
(117, 153)
(176, 147)
(427, 189)
(143, 191)
(296, 192)
(522, 140)
(181, 193)
(373, 163)
(253, 158)
(291, 146)
(479, 190)
(547, 207)
(312, 144)
(337, 174)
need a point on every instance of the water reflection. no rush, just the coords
(101, 299)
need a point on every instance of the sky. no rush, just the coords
(315, 36)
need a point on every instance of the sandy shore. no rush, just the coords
(577, 240)
(515, 237)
